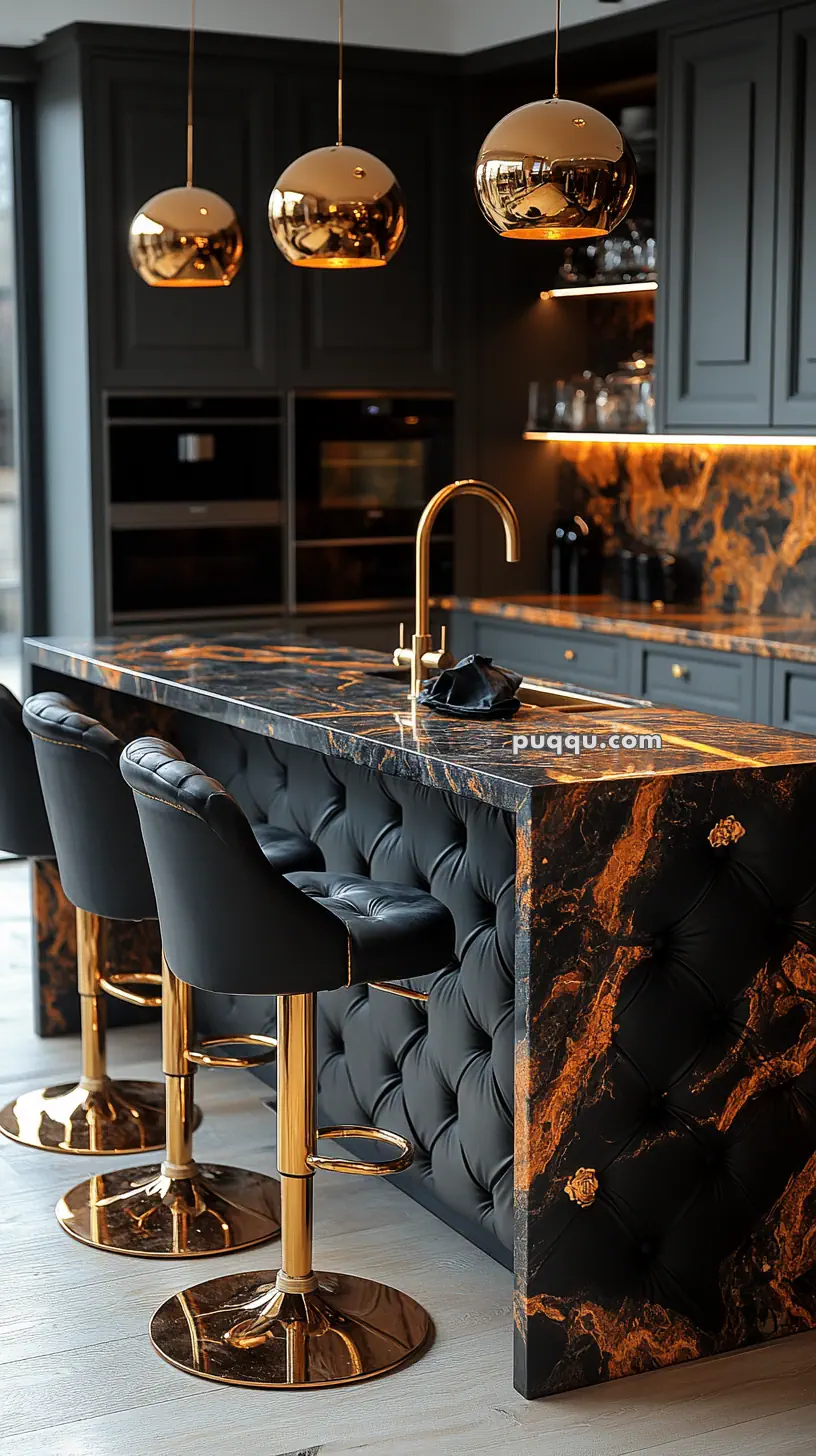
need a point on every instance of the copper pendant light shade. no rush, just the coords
(338, 207)
(186, 237)
(555, 170)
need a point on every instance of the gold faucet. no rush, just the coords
(421, 657)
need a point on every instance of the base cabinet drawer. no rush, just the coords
(577, 657)
(707, 682)
(794, 696)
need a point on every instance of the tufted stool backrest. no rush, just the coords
(100, 854)
(229, 921)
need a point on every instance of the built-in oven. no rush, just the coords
(196, 506)
(362, 468)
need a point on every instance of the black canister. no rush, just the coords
(576, 557)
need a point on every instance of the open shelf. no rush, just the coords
(596, 290)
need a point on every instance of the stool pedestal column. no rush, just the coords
(95, 1114)
(179, 1208)
(293, 1327)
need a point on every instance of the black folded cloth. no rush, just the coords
(474, 688)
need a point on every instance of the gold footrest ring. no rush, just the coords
(365, 1170)
(115, 986)
(203, 1058)
(401, 991)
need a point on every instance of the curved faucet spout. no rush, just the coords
(512, 534)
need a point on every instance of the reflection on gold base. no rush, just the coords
(145, 1212)
(241, 1330)
(120, 1117)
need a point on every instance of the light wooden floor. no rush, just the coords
(78, 1376)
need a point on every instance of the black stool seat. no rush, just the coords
(24, 829)
(231, 923)
(393, 929)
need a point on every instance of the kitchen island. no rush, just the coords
(616, 1090)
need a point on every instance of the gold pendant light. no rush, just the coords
(187, 237)
(555, 170)
(338, 207)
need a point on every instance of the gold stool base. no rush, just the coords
(122, 1117)
(144, 1212)
(240, 1330)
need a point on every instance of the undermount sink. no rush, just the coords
(563, 700)
(531, 694)
(393, 674)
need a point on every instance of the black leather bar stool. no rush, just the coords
(177, 1208)
(102, 867)
(231, 924)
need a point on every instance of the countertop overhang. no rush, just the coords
(332, 700)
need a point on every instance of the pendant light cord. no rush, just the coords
(190, 71)
(339, 73)
(557, 44)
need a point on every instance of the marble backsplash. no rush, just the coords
(741, 517)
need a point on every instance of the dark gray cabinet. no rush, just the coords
(157, 337)
(720, 185)
(795, 354)
(722, 683)
(583, 658)
(384, 327)
(794, 696)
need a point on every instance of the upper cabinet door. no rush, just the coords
(795, 357)
(392, 326)
(135, 147)
(718, 252)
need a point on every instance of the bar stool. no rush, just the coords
(176, 1208)
(231, 924)
(104, 873)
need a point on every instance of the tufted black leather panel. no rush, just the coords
(441, 1073)
(24, 827)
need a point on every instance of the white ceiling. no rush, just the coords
(457, 26)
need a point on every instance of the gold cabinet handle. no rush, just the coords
(569, 655)
(679, 671)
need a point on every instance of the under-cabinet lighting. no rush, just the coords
(610, 437)
(593, 290)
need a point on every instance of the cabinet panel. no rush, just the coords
(794, 697)
(218, 337)
(719, 250)
(385, 327)
(576, 657)
(795, 358)
(707, 682)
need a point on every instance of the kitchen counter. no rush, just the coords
(789, 638)
(615, 1090)
(336, 701)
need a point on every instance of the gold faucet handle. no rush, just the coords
(403, 656)
(439, 660)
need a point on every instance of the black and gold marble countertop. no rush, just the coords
(792, 638)
(331, 699)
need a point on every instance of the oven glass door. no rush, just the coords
(366, 467)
